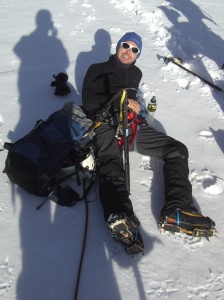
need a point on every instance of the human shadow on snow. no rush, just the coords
(192, 40)
(51, 237)
(41, 55)
(100, 52)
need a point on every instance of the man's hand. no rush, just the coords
(133, 105)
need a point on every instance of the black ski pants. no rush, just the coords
(113, 193)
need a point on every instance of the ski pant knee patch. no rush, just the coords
(175, 150)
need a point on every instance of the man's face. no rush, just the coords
(126, 56)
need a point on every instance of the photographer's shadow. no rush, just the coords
(100, 52)
(41, 55)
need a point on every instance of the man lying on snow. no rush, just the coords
(101, 83)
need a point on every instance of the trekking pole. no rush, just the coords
(178, 62)
(124, 104)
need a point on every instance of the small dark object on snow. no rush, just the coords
(61, 85)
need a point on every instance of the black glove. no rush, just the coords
(60, 83)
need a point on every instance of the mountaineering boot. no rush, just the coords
(187, 221)
(125, 230)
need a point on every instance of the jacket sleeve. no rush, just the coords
(134, 82)
(93, 94)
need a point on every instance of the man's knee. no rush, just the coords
(175, 149)
(111, 166)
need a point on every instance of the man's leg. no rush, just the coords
(113, 193)
(118, 211)
(178, 213)
(178, 191)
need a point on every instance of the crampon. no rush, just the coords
(125, 230)
(190, 223)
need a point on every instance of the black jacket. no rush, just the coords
(104, 80)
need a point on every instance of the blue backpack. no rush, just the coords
(35, 161)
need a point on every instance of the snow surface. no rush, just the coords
(40, 250)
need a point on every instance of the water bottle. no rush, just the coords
(152, 106)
